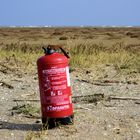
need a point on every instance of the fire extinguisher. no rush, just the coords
(55, 90)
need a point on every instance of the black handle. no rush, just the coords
(64, 52)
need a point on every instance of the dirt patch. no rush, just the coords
(96, 115)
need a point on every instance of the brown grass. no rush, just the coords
(89, 47)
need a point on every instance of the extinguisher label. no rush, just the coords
(57, 108)
(55, 79)
(56, 87)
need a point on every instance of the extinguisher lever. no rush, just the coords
(64, 52)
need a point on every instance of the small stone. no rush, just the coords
(12, 134)
(105, 133)
(117, 130)
(138, 130)
(37, 121)
(109, 126)
(87, 72)
(12, 113)
(35, 78)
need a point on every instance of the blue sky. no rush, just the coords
(69, 12)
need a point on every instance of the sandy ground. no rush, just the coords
(103, 119)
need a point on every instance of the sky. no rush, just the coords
(69, 12)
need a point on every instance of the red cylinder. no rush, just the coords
(54, 85)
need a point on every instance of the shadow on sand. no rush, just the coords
(23, 127)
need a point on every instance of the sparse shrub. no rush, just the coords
(22, 47)
(26, 109)
(57, 33)
(40, 135)
(133, 34)
(63, 38)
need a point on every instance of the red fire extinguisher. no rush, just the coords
(55, 90)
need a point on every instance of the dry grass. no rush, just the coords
(26, 109)
(101, 46)
(40, 135)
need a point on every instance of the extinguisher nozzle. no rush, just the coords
(48, 50)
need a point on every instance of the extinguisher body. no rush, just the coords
(55, 90)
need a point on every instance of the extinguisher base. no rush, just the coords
(49, 123)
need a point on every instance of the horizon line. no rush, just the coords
(80, 26)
